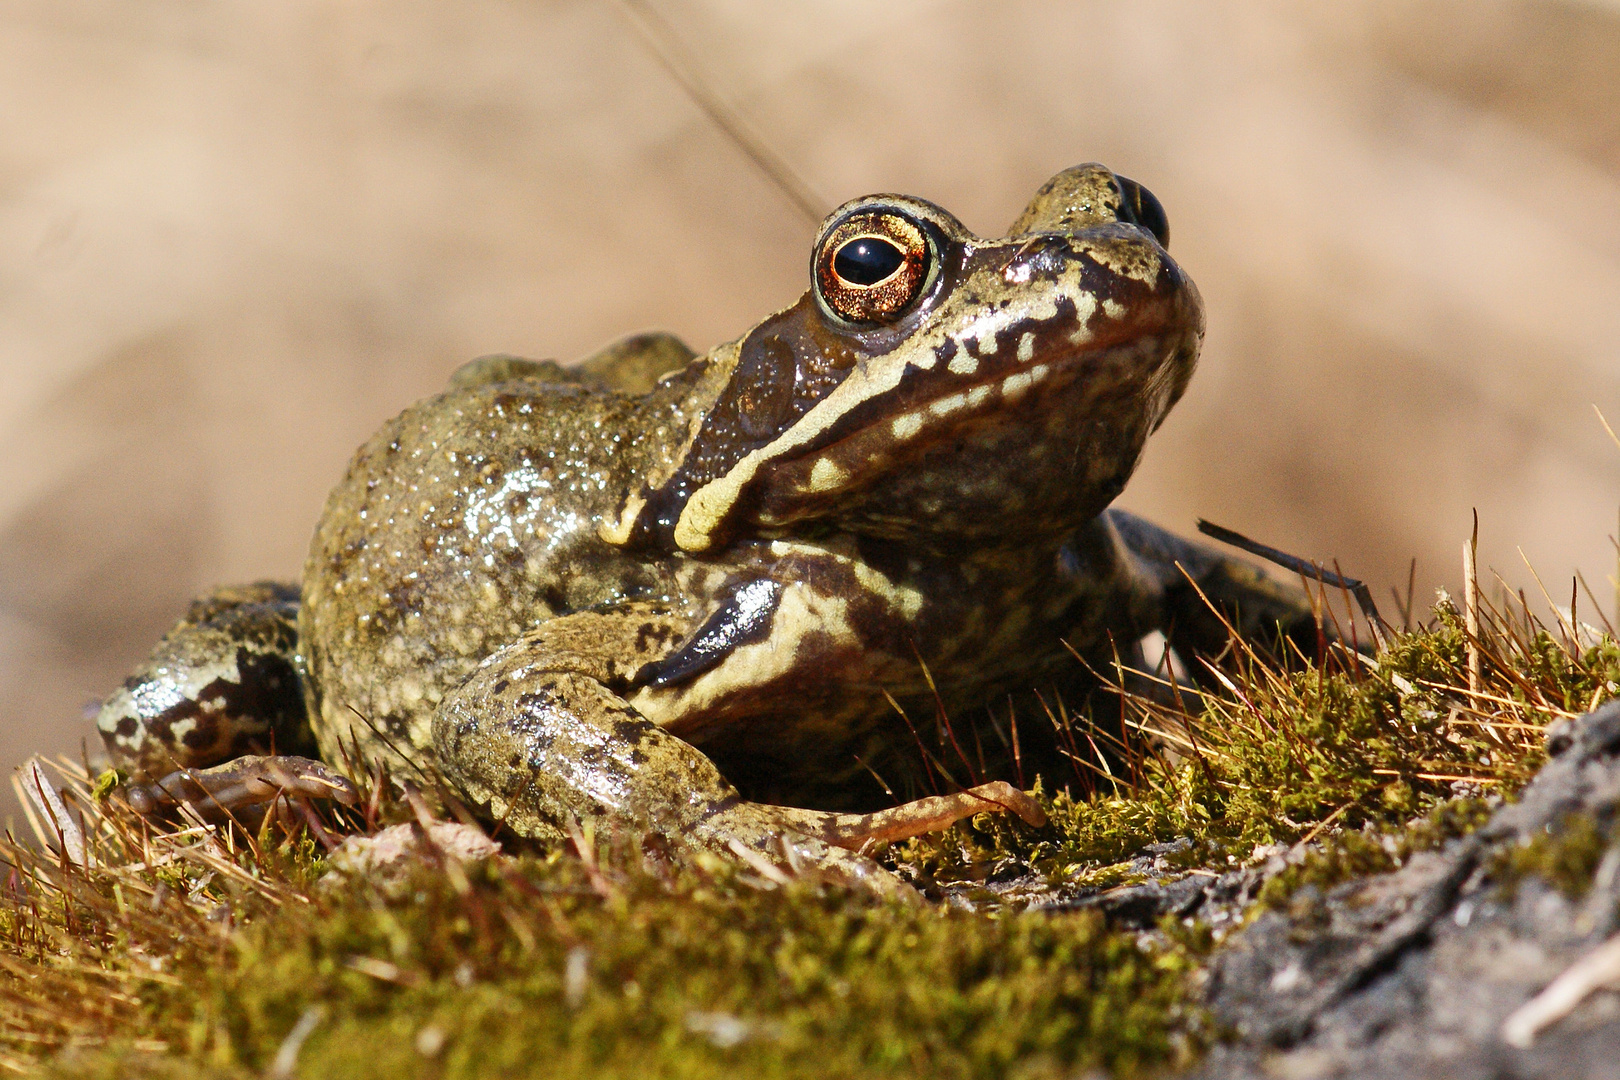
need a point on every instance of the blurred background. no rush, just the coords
(236, 236)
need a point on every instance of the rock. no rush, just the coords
(1415, 972)
(388, 855)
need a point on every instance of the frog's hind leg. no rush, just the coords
(192, 724)
(634, 364)
(630, 366)
(223, 683)
(1176, 583)
(540, 737)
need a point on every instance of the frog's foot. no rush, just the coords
(828, 846)
(770, 841)
(855, 831)
(239, 785)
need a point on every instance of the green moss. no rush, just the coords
(1342, 857)
(1086, 843)
(1287, 754)
(1345, 856)
(533, 972)
(1580, 684)
(1377, 744)
(1566, 858)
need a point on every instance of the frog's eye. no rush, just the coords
(871, 267)
(1139, 206)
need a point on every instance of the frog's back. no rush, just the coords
(465, 520)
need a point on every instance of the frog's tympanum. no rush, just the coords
(692, 597)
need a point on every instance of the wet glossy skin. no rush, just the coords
(574, 594)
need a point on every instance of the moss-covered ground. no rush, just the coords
(190, 951)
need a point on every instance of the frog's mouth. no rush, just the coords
(1050, 443)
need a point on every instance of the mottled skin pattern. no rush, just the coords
(595, 595)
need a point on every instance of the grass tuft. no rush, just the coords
(1398, 747)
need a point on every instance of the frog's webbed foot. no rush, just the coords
(830, 844)
(769, 842)
(242, 784)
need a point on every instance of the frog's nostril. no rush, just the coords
(1139, 206)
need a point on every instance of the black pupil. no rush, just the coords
(867, 260)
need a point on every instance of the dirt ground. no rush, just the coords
(236, 236)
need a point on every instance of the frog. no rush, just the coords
(706, 600)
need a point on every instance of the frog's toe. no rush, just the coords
(750, 833)
(782, 842)
(241, 784)
(855, 831)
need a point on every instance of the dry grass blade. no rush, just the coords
(88, 929)
(1605, 422)
(1471, 604)
(661, 41)
(1358, 589)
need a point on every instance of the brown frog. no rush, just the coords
(669, 593)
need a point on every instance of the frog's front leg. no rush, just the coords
(542, 736)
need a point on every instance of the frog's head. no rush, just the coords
(934, 385)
